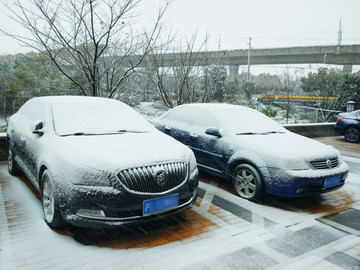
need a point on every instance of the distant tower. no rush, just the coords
(340, 34)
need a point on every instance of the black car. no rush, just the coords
(96, 162)
(348, 125)
(253, 151)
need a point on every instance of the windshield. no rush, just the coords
(247, 121)
(96, 119)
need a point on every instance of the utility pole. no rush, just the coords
(249, 54)
(340, 34)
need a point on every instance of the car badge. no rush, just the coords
(160, 177)
(329, 164)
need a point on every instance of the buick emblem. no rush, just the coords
(329, 164)
(160, 177)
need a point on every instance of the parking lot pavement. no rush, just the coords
(222, 231)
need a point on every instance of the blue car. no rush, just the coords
(253, 151)
(348, 125)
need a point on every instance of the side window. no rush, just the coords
(33, 110)
(193, 116)
(183, 115)
(204, 119)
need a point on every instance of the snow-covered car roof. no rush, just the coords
(214, 107)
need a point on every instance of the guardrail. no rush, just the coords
(313, 129)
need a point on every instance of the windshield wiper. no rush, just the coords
(131, 131)
(260, 133)
(274, 132)
(80, 133)
(247, 133)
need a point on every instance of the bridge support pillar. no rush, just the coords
(347, 68)
(233, 74)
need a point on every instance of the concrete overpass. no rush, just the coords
(346, 55)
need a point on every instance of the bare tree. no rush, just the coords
(289, 83)
(88, 41)
(177, 72)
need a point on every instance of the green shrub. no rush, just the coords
(269, 111)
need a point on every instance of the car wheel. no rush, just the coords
(50, 207)
(247, 182)
(352, 134)
(12, 165)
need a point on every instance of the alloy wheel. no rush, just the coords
(48, 202)
(245, 183)
(352, 134)
(10, 160)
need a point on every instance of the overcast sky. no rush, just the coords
(270, 23)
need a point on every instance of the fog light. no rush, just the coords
(90, 213)
(299, 190)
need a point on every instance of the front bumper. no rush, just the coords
(110, 207)
(287, 183)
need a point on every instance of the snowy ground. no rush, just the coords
(151, 110)
(275, 234)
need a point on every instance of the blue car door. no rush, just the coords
(210, 151)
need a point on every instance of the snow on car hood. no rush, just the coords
(287, 146)
(120, 151)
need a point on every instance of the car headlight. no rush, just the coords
(193, 163)
(295, 165)
(90, 177)
(340, 158)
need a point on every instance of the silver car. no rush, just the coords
(96, 162)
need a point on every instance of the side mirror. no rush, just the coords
(37, 127)
(213, 132)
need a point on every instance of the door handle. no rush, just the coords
(193, 135)
(167, 128)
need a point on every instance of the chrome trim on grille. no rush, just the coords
(325, 164)
(143, 179)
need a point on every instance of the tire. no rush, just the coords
(13, 168)
(247, 182)
(50, 206)
(352, 134)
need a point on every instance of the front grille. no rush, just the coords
(325, 164)
(143, 179)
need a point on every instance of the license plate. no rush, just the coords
(332, 182)
(160, 204)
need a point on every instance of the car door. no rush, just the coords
(30, 142)
(178, 124)
(16, 129)
(210, 150)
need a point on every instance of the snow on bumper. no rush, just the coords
(96, 207)
(300, 183)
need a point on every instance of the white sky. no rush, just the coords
(270, 23)
(230, 23)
